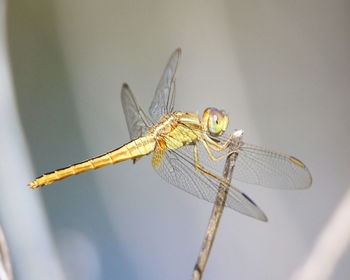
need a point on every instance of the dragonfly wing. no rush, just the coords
(260, 166)
(163, 101)
(136, 119)
(177, 168)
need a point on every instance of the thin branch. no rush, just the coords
(217, 210)
(5, 263)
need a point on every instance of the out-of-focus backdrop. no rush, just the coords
(281, 71)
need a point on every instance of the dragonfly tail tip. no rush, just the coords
(33, 185)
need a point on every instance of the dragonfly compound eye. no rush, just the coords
(217, 121)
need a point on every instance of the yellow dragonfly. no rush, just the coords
(187, 150)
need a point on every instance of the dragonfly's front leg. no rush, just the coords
(215, 145)
(219, 146)
(200, 169)
(207, 147)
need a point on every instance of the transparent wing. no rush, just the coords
(177, 168)
(260, 166)
(136, 119)
(163, 101)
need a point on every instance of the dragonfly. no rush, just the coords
(187, 149)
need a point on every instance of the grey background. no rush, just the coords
(279, 68)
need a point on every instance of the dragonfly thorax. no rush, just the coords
(165, 124)
(215, 121)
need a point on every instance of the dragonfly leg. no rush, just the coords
(212, 157)
(197, 165)
(200, 169)
(215, 145)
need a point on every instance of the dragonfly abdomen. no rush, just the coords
(134, 149)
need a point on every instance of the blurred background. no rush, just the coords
(281, 71)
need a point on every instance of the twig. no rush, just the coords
(5, 263)
(217, 211)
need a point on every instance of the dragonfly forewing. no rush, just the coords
(163, 100)
(264, 167)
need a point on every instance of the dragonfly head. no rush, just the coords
(215, 121)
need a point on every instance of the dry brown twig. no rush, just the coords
(5, 263)
(217, 211)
